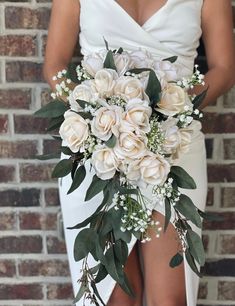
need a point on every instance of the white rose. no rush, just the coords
(105, 163)
(74, 130)
(130, 145)
(129, 88)
(138, 113)
(166, 70)
(85, 92)
(92, 63)
(142, 58)
(171, 134)
(151, 169)
(105, 80)
(106, 121)
(123, 62)
(173, 100)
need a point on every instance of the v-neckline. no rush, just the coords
(148, 19)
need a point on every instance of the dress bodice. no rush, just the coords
(174, 29)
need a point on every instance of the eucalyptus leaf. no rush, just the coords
(111, 142)
(72, 73)
(191, 263)
(83, 103)
(78, 178)
(120, 50)
(153, 88)
(66, 150)
(102, 273)
(80, 293)
(167, 213)
(210, 216)
(52, 109)
(48, 156)
(186, 207)
(96, 186)
(106, 43)
(55, 123)
(121, 251)
(197, 101)
(124, 190)
(93, 285)
(138, 70)
(183, 179)
(171, 59)
(196, 247)
(63, 168)
(176, 260)
(86, 115)
(85, 243)
(109, 61)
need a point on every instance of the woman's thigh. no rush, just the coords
(134, 274)
(163, 285)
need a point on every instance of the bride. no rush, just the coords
(164, 28)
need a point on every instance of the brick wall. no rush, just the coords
(33, 262)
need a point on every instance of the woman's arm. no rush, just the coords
(217, 35)
(62, 37)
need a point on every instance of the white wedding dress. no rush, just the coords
(174, 29)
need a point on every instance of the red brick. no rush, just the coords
(23, 71)
(205, 240)
(59, 291)
(18, 149)
(15, 98)
(36, 173)
(50, 146)
(226, 290)
(7, 268)
(210, 197)
(7, 174)
(55, 246)
(203, 290)
(227, 197)
(22, 244)
(219, 123)
(20, 198)
(44, 268)
(229, 148)
(17, 45)
(221, 173)
(226, 224)
(7, 221)
(52, 197)
(3, 124)
(38, 221)
(26, 18)
(226, 244)
(21, 292)
(28, 124)
(45, 96)
(229, 97)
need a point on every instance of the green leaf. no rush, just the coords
(93, 285)
(183, 179)
(138, 70)
(109, 61)
(210, 216)
(53, 109)
(72, 73)
(86, 115)
(167, 213)
(196, 247)
(83, 103)
(48, 156)
(63, 168)
(78, 178)
(153, 88)
(106, 43)
(176, 260)
(85, 243)
(171, 59)
(80, 293)
(124, 190)
(102, 273)
(120, 50)
(197, 101)
(121, 251)
(186, 207)
(191, 263)
(96, 186)
(55, 123)
(111, 142)
(66, 150)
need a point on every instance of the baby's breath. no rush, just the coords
(155, 136)
(196, 79)
(117, 100)
(82, 74)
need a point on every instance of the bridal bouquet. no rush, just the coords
(130, 117)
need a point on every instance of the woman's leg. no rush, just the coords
(164, 286)
(134, 274)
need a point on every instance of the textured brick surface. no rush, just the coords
(33, 263)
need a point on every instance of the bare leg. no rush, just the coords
(165, 286)
(134, 274)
